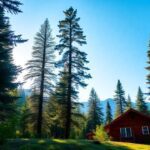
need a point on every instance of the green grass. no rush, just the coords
(56, 144)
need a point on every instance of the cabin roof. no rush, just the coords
(131, 110)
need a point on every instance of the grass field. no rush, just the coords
(26, 144)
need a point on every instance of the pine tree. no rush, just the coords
(25, 118)
(56, 110)
(95, 115)
(78, 124)
(73, 58)
(109, 116)
(148, 68)
(41, 68)
(140, 103)
(33, 104)
(29, 115)
(119, 99)
(11, 5)
(52, 117)
(129, 103)
(8, 69)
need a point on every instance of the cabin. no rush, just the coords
(131, 126)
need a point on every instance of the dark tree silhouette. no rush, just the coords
(148, 69)
(11, 6)
(119, 99)
(8, 69)
(109, 117)
(56, 110)
(41, 67)
(140, 103)
(129, 103)
(73, 58)
(95, 115)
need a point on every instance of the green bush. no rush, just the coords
(5, 132)
(100, 134)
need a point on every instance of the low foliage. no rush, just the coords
(100, 134)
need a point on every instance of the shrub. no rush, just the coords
(7, 130)
(4, 133)
(100, 134)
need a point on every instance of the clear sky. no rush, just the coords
(117, 33)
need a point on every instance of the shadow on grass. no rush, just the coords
(34, 144)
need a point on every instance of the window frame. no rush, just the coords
(147, 130)
(125, 131)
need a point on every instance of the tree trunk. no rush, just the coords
(40, 113)
(68, 119)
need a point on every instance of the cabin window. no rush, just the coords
(126, 132)
(145, 130)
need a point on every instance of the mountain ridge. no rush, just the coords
(103, 103)
(84, 108)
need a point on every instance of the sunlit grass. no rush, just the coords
(25, 139)
(58, 144)
(41, 141)
(59, 141)
(132, 146)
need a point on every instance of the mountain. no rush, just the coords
(84, 108)
(24, 93)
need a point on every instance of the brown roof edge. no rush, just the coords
(126, 112)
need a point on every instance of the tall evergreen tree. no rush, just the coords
(41, 67)
(129, 103)
(95, 115)
(56, 110)
(11, 5)
(73, 58)
(8, 69)
(148, 69)
(109, 116)
(140, 103)
(119, 99)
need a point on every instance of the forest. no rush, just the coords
(53, 109)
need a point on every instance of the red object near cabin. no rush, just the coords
(90, 136)
(131, 126)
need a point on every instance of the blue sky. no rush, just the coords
(118, 32)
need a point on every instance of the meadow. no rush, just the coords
(56, 144)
